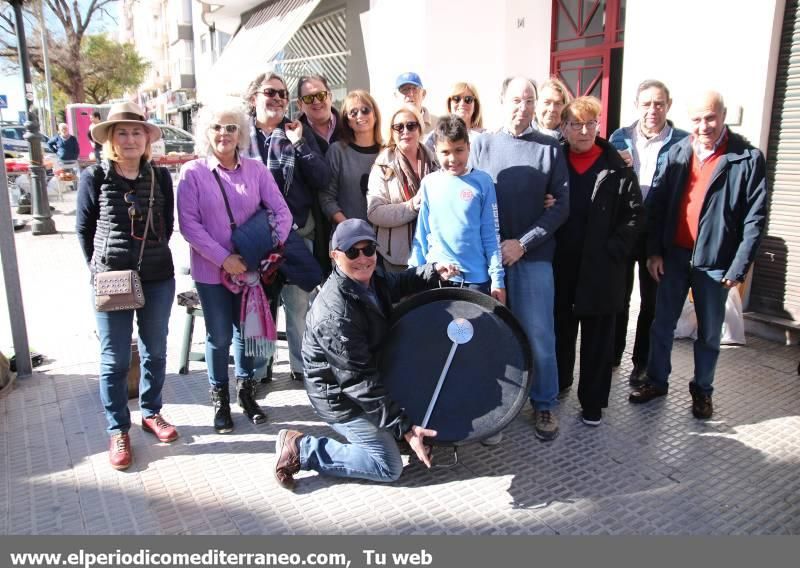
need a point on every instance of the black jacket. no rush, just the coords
(344, 332)
(103, 223)
(321, 142)
(616, 218)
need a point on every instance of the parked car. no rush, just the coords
(174, 141)
(13, 142)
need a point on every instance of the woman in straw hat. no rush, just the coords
(114, 203)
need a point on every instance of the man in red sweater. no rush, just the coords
(706, 219)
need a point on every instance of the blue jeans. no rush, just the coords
(115, 330)
(371, 453)
(221, 312)
(530, 292)
(709, 304)
(295, 307)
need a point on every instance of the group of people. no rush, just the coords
(542, 214)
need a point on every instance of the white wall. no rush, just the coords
(725, 45)
(456, 40)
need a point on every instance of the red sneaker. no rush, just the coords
(119, 452)
(163, 430)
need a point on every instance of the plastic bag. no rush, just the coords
(733, 328)
(687, 323)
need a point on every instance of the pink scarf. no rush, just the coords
(257, 326)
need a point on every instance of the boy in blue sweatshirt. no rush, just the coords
(457, 221)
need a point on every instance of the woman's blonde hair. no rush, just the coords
(209, 114)
(477, 116)
(355, 99)
(108, 146)
(390, 143)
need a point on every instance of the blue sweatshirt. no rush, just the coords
(458, 224)
(524, 169)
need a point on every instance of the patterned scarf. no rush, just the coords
(280, 154)
(257, 326)
(409, 180)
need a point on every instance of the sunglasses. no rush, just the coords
(365, 110)
(410, 126)
(353, 252)
(228, 128)
(133, 211)
(281, 93)
(308, 99)
(469, 99)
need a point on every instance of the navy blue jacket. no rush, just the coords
(734, 210)
(622, 139)
(66, 150)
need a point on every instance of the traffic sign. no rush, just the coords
(3, 101)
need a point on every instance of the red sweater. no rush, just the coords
(694, 195)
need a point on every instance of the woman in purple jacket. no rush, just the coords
(218, 271)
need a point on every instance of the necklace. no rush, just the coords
(121, 171)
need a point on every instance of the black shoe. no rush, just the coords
(295, 376)
(646, 393)
(638, 377)
(221, 398)
(268, 377)
(592, 416)
(246, 398)
(702, 407)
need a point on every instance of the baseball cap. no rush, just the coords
(408, 78)
(350, 232)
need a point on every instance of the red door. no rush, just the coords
(587, 51)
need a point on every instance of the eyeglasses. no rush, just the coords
(353, 252)
(469, 99)
(228, 128)
(591, 126)
(408, 89)
(281, 93)
(365, 110)
(410, 126)
(308, 99)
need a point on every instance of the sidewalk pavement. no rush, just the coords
(649, 469)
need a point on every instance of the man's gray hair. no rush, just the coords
(508, 80)
(210, 114)
(651, 84)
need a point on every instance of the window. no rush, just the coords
(203, 43)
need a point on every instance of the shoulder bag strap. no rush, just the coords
(225, 199)
(149, 217)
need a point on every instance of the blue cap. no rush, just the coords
(350, 232)
(408, 79)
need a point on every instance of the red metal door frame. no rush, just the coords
(602, 50)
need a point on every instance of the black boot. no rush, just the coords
(246, 397)
(221, 398)
(268, 377)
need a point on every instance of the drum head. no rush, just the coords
(489, 377)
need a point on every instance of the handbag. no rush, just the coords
(122, 289)
(253, 238)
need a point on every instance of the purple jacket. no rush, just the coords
(203, 219)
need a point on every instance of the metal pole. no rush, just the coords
(42, 223)
(8, 254)
(46, 59)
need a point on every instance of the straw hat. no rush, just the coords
(123, 112)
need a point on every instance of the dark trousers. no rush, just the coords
(647, 309)
(597, 344)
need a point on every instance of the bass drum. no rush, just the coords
(490, 374)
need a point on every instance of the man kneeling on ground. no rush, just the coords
(344, 328)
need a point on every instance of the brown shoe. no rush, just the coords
(119, 452)
(287, 461)
(646, 393)
(163, 430)
(702, 407)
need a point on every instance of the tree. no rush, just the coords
(108, 69)
(67, 27)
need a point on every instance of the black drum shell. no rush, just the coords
(489, 378)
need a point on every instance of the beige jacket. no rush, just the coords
(393, 217)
